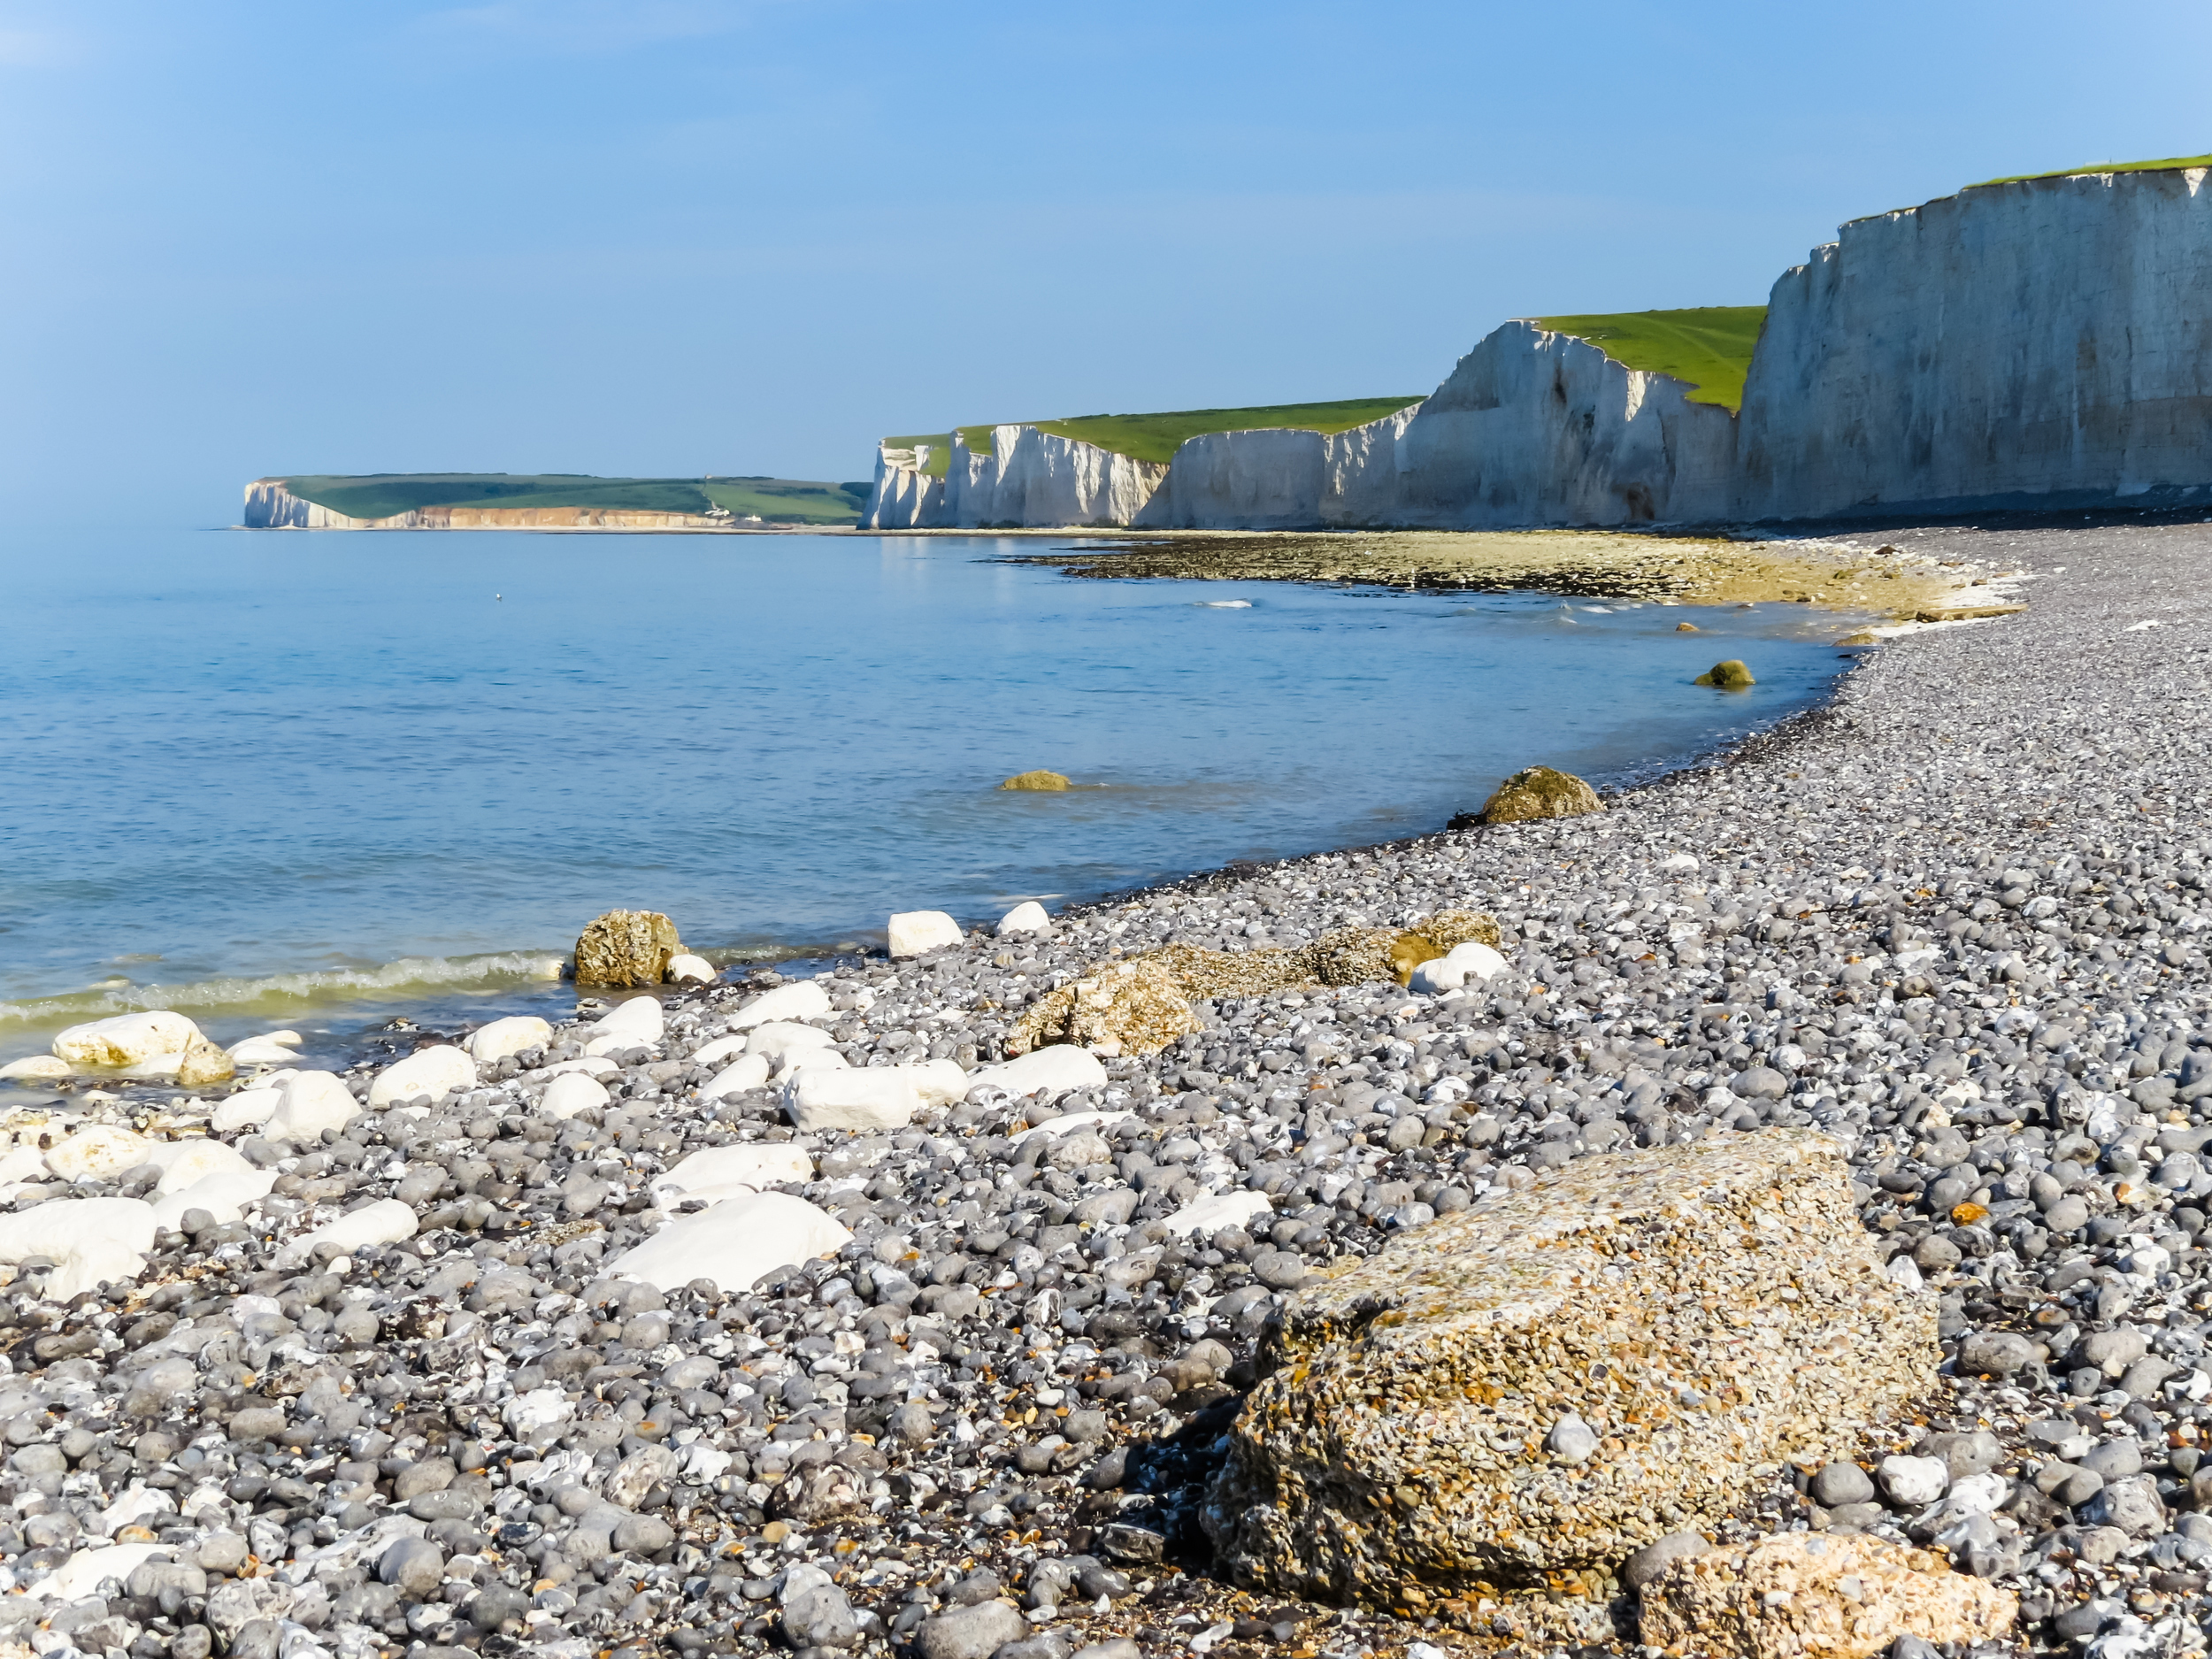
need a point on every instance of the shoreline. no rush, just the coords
(1949, 918)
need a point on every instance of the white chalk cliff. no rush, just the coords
(269, 505)
(1025, 477)
(2042, 344)
(2047, 343)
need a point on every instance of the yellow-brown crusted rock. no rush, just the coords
(1039, 780)
(1804, 1595)
(1140, 1006)
(1133, 1007)
(1520, 1395)
(1541, 791)
(626, 947)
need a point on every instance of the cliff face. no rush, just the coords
(1281, 479)
(2045, 342)
(1540, 428)
(1026, 478)
(1531, 428)
(270, 506)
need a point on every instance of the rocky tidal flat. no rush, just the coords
(469, 1349)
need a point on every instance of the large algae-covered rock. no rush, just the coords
(1036, 781)
(626, 947)
(1703, 1312)
(1133, 1007)
(1139, 1006)
(1729, 676)
(1541, 791)
(1804, 1596)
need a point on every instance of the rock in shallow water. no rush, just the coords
(125, 1039)
(1709, 1310)
(626, 947)
(1540, 792)
(918, 933)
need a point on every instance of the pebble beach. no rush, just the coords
(407, 1399)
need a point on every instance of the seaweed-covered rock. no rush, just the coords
(1706, 1311)
(1842, 1596)
(1039, 780)
(1729, 676)
(1140, 1006)
(1133, 1007)
(626, 947)
(1540, 792)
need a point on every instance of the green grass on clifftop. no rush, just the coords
(383, 495)
(1157, 437)
(1709, 346)
(2168, 165)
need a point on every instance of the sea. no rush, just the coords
(322, 780)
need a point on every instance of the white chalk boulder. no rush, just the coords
(918, 933)
(802, 999)
(432, 1072)
(1461, 964)
(34, 1068)
(685, 969)
(1054, 1070)
(490, 1044)
(99, 1152)
(223, 1195)
(779, 1040)
(720, 1050)
(385, 1222)
(720, 1172)
(570, 1092)
(1068, 1123)
(1208, 1215)
(1027, 917)
(938, 1082)
(850, 1097)
(248, 1109)
(746, 1072)
(733, 1243)
(126, 1040)
(640, 1017)
(88, 1241)
(312, 1101)
(86, 1570)
(183, 1163)
(260, 1051)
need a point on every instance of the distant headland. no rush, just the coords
(546, 501)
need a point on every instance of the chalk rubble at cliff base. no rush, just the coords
(1954, 924)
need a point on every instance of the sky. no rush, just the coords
(673, 237)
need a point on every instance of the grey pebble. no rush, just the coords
(1841, 1483)
(972, 1632)
(1653, 1559)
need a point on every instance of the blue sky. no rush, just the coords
(677, 236)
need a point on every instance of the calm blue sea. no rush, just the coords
(313, 778)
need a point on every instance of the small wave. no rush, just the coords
(408, 978)
(1224, 604)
